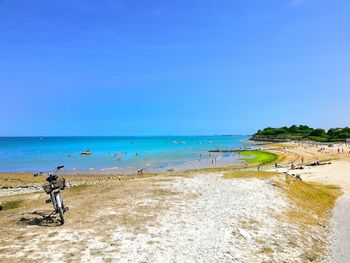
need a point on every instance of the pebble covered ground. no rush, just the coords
(200, 218)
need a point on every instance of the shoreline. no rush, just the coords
(216, 161)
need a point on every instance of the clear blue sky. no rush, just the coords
(172, 67)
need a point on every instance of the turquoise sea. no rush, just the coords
(116, 154)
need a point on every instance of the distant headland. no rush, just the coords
(302, 133)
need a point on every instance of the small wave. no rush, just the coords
(110, 168)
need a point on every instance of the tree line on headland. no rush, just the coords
(302, 133)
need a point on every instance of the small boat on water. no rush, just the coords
(87, 152)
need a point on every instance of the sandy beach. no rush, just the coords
(197, 216)
(336, 173)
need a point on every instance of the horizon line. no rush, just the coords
(172, 135)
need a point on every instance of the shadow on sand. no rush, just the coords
(39, 218)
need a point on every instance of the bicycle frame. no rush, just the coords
(56, 199)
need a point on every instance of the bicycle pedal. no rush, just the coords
(66, 209)
(48, 201)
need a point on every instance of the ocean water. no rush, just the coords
(155, 153)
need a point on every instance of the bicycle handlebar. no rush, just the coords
(49, 174)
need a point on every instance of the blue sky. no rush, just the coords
(172, 67)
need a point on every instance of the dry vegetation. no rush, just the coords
(311, 207)
(18, 179)
(26, 179)
(312, 201)
(250, 174)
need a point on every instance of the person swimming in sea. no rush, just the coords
(118, 157)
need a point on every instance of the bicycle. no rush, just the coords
(53, 188)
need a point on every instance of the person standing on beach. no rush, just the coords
(302, 159)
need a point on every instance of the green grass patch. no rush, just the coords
(250, 174)
(258, 157)
(11, 204)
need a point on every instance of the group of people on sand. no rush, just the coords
(316, 163)
(342, 150)
(294, 167)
